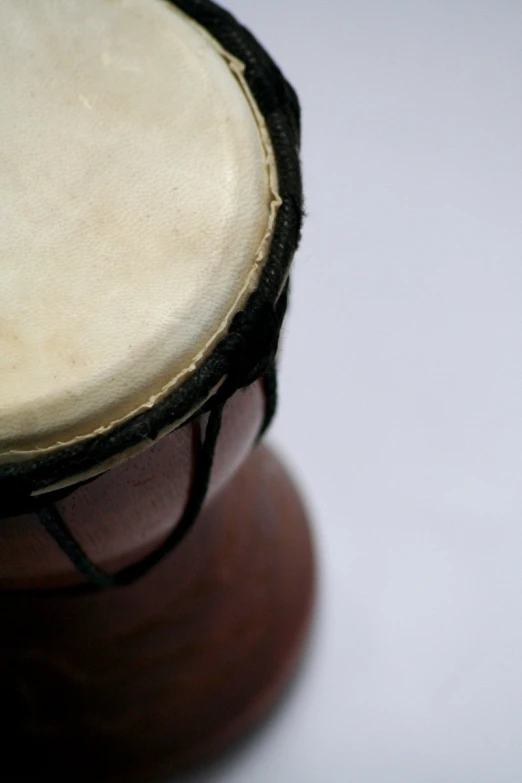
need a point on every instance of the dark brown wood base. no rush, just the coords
(132, 685)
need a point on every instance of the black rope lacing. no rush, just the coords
(54, 524)
(52, 521)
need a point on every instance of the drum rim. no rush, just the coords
(244, 354)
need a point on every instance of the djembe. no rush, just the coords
(156, 570)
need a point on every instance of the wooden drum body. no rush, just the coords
(137, 682)
(156, 567)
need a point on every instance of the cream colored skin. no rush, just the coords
(138, 193)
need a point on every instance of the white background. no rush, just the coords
(401, 398)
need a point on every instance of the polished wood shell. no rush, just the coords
(130, 685)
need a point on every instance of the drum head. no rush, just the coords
(150, 207)
(138, 198)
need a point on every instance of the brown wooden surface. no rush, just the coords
(131, 684)
(127, 512)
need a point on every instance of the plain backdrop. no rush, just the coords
(401, 392)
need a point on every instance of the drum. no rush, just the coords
(156, 567)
